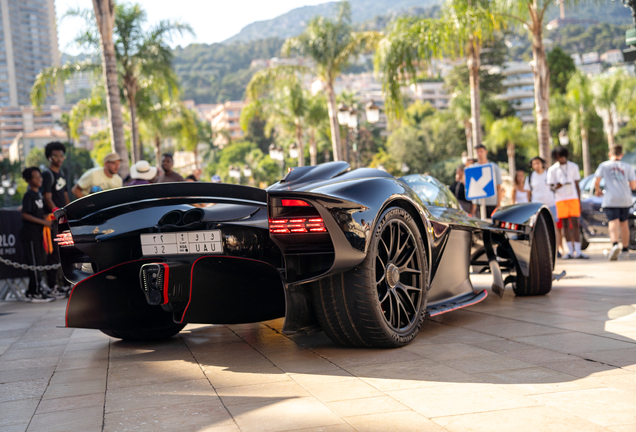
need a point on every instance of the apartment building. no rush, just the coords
(28, 43)
(225, 121)
(519, 84)
(16, 120)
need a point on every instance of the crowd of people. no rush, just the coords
(557, 187)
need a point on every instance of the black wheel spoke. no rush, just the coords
(400, 302)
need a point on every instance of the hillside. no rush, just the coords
(293, 22)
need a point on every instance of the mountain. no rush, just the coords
(293, 22)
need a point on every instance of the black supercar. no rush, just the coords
(358, 253)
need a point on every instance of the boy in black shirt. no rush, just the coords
(31, 233)
(54, 191)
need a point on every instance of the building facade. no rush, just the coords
(23, 144)
(28, 43)
(519, 84)
(24, 119)
(225, 121)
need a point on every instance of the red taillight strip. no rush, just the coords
(64, 239)
(297, 226)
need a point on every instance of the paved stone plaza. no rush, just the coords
(564, 362)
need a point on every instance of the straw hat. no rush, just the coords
(143, 171)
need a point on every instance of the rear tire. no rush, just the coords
(382, 302)
(539, 280)
(145, 335)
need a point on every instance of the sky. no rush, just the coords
(212, 20)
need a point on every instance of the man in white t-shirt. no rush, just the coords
(540, 191)
(563, 178)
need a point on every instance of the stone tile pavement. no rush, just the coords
(563, 362)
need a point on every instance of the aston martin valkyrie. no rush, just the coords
(360, 254)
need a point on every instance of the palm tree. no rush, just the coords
(579, 103)
(506, 132)
(286, 106)
(316, 119)
(606, 91)
(141, 56)
(331, 44)
(105, 11)
(460, 30)
(530, 15)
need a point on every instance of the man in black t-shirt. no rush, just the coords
(33, 223)
(55, 195)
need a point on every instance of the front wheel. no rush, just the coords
(381, 302)
(539, 279)
(145, 335)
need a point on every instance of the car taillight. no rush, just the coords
(297, 225)
(509, 225)
(64, 239)
(294, 203)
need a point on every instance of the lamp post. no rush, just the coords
(373, 112)
(343, 120)
(293, 151)
(235, 173)
(7, 189)
(564, 139)
(353, 130)
(276, 153)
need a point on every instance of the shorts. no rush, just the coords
(568, 208)
(613, 213)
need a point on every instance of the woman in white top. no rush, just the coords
(519, 193)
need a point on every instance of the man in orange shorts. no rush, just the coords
(563, 178)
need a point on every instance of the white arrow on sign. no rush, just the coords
(476, 188)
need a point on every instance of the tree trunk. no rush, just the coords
(301, 146)
(585, 149)
(333, 122)
(313, 148)
(468, 130)
(474, 63)
(132, 106)
(512, 165)
(158, 151)
(541, 91)
(105, 16)
(610, 129)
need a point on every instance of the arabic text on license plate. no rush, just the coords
(189, 242)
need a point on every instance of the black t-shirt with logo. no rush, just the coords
(32, 204)
(55, 183)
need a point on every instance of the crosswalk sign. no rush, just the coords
(480, 182)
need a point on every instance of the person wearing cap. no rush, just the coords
(216, 178)
(141, 173)
(100, 177)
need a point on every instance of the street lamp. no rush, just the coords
(276, 153)
(247, 171)
(405, 168)
(343, 114)
(372, 112)
(293, 151)
(235, 173)
(353, 118)
(563, 137)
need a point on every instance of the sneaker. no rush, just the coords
(613, 254)
(59, 292)
(40, 298)
(582, 256)
(566, 256)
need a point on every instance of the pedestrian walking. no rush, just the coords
(141, 173)
(168, 175)
(55, 196)
(493, 202)
(519, 192)
(98, 178)
(33, 223)
(459, 189)
(620, 181)
(540, 192)
(563, 178)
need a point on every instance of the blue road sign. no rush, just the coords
(480, 182)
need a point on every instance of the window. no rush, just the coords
(431, 191)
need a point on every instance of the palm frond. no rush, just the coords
(50, 79)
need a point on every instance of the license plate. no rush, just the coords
(182, 243)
